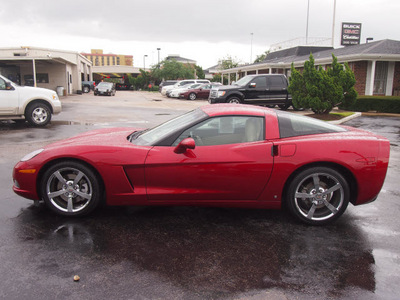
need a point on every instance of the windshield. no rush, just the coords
(243, 81)
(153, 136)
(105, 84)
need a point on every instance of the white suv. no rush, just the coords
(181, 83)
(36, 105)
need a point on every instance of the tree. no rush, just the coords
(199, 72)
(261, 57)
(322, 90)
(172, 70)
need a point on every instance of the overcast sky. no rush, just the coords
(204, 31)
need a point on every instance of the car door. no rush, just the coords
(256, 90)
(226, 165)
(204, 91)
(8, 99)
(277, 89)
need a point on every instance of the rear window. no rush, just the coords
(295, 125)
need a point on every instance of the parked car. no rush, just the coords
(88, 86)
(216, 155)
(174, 93)
(105, 88)
(166, 83)
(20, 103)
(122, 86)
(201, 92)
(181, 83)
(269, 90)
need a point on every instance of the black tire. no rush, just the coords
(284, 106)
(192, 96)
(324, 206)
(38, 114)
(71, 189)
(234, 100)
(86, 89)
(270, 105)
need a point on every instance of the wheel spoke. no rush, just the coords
(55, 194)
(332, 189)
(330, 207)
(304, 195)
(83, 195)
(311, 212)
(60, 178)
(316, 182)
(77, 178)
(70, 205)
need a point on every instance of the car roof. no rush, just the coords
(235, 109)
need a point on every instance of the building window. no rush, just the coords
(97, 61)
(108, 60)
(118, 61)
(381, 72)
(102, 60)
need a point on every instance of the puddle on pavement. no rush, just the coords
(71, 123)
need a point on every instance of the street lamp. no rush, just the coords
(158, 49)
(144, 62)
(251, 48)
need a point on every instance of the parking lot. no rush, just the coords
(188, 252)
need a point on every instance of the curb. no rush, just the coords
(353, 116)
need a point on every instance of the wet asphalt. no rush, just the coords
(188, 252)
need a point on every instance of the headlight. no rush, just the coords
(31, 155)
(54, 96)
(221, 93)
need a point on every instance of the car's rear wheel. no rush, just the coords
(234, 100)
(192, 96)
(71, 189)
(86, 89)
(38, 114)
(318, 195)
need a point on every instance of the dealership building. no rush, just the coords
(61, 71)
(376, 65)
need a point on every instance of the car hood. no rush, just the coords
(99, 137)
(103, 88)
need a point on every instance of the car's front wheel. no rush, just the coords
(192, 96)
(70, 188)
(234, 100)
(318, 195)
(38, 114)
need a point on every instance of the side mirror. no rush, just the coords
(185, 144)
(9, 86)
(253, 85)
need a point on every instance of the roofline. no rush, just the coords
(325, 60)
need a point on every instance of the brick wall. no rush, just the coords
(396, 79)
(360, 72)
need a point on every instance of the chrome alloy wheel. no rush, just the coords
(69, 190)
(39, 115)
(319, 196)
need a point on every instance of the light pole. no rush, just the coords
(144, 62)
(158, 49)
(308, 15)
(251, 48)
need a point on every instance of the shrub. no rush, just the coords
(384, 104)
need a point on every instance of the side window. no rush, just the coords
(225, 130)
(261, 82)
(3, 85)
(276, 81)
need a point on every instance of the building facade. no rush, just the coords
(46, 68)
(98, 58)
(376, 65)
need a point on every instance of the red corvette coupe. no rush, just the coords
(217, 155)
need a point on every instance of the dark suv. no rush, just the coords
(269, 90)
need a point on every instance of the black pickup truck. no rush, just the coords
(268, 90)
